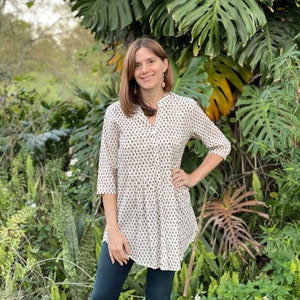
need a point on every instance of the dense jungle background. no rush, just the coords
(239, 59)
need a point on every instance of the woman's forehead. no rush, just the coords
(144, 54)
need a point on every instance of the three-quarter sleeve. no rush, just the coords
(108, 158)
(204, 129)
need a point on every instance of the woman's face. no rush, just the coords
(149, 70)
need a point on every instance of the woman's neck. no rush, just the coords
(153, 98)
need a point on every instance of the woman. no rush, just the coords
(145, 194)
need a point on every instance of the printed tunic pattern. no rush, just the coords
(136, 159)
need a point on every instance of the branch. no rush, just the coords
(190, 268)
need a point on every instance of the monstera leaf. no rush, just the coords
(159, 19)
(191, 81)
(212, 23)
(266, 45)
(225, 76)
(106, 16)
(267, 121)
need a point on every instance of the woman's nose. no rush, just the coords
(144, 68)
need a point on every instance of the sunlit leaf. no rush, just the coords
(224, 75)
(107, 18)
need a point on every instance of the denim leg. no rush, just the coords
(109, 277)
(159, 284)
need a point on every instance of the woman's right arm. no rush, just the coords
(117, 243)
(107, 185)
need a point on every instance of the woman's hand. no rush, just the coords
(180, 179)
(118, 246)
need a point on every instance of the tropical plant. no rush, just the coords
(224, 217)
(12, 235)
(240, 61)
(85, 140)
(27, 123)
(201, 27)
(270, 136)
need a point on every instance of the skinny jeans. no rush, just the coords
(111, 277)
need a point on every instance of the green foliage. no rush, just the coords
(107, 18)
(85, 140)
(12, 235)
(30, 127)
(217, 278)
(192, 83)
(276, 38)
(78, 250)
(229, 288)
(282, 247)
(52, 207)
(269, 123)
(210, 22)
(251, 33)
(295, 270)
(270, 116)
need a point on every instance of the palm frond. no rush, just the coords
(224, 217)
(86, 139)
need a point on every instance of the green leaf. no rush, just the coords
(256, 185)
(265, 46)
(108, 17)
(160, 19)
(30, 3)
(193, 82)
(211, 21)
(267, 122)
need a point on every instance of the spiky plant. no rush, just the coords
(227, 224)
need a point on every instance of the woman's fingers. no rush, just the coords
(178, 178)
(126, 248)
(120, 254)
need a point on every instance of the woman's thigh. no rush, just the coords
(159, 284)
(109, 277)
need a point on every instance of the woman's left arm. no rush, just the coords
(204, 129)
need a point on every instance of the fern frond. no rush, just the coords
(295, 270)
(11, 236)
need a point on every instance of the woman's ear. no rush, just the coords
(166, 64)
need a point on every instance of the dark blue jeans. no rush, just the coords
(110, 279)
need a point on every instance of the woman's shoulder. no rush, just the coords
(183, 100)
(114, 109)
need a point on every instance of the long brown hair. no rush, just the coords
(129, 95)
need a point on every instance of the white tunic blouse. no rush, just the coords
(136, 159)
